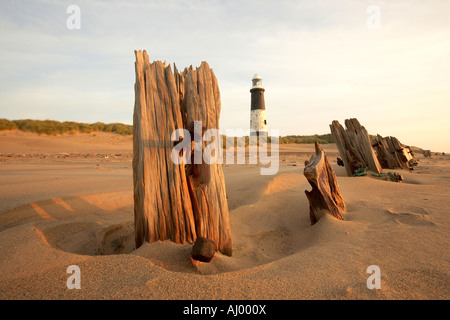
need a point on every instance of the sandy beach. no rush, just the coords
(68, 200)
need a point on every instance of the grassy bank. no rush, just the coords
(51, 127)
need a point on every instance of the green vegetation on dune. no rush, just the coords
(51, 127)
(244, 141)
(321, 138)
(7, 125)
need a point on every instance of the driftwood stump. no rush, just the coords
(392, 154)
(354, 146)
(325, 196)
(170, 201)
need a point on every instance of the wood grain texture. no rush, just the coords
(168, 202)
(392, 154)
(325, 196)
(354, 146)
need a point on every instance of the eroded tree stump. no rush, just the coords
(392, 154)
(171, 202)
(325, 196)
(354, 146)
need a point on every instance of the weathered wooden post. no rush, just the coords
(392, 154)
(325, 196)
(168, 202)
(354, 146)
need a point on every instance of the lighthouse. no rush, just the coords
(258, 121)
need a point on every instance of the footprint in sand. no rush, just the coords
(412, 217)
(90, 238)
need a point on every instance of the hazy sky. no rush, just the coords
(319, 61)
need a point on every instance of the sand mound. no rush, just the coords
(284, 182)
(16, 141)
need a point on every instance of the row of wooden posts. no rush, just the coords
(358, 151)
(188, 203)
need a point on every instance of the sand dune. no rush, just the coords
(57, 212)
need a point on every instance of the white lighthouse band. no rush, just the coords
(258, 120)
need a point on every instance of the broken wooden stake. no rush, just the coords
(354, 146)
(325, 196)
(392, 154)
(171, 202)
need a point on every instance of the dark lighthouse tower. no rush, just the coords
(258, 122)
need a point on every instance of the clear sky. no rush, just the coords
(320, 61)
